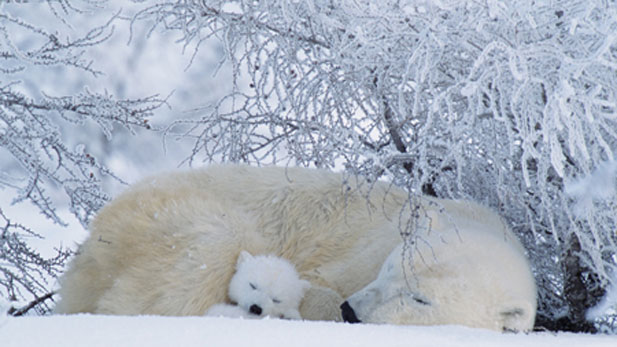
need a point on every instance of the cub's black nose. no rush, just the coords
(254, 309)
(349, 315)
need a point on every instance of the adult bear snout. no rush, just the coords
(349, 315)
(254, 309)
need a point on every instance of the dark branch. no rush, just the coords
(36, 302)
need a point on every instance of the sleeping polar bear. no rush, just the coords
(169, 245)
(467, 269)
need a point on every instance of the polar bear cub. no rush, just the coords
(263, 285)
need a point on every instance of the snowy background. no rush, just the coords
(134, 62)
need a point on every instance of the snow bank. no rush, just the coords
(93, 331)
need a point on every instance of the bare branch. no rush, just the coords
(33, 140)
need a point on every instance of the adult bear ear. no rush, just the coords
(244, 256)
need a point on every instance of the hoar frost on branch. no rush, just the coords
(24, 270)
(31, 136)
(495, 101)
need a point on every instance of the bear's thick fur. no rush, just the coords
(169, 244)
(472, 271)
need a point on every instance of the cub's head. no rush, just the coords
(266, 285)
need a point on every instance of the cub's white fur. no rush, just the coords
(263, 285)
(169, 246)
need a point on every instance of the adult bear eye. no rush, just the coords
(276, 301)
(254, 287)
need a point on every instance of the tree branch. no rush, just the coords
(36, 302)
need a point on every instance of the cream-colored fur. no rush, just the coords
(169, 244)
(466, 269)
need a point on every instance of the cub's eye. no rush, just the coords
(253, 287)
(276, 301)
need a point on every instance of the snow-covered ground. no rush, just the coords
(108, 331)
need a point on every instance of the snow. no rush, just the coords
(54, 236)
(152, 331)
(598, 185)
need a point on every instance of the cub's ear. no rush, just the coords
(244, 256)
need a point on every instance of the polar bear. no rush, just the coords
(470, 272)
(168, 245)
(263, 286)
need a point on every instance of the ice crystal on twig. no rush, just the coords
(34, 144)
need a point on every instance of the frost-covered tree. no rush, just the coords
(38, 162)
(509, 103)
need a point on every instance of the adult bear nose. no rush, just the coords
(349, 315)
(254, 309)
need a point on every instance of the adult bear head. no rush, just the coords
(389, 298)
(470, 270)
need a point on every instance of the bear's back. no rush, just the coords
(150, 241)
